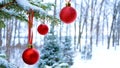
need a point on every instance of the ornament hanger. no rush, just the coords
(30, 25)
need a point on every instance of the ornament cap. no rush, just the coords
(68, 4)
(30, 46)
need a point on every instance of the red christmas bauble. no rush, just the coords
(43, 29)
(30, 56)
(68, 14)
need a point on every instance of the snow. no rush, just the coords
(62, 65)
(12, 12)
(26, 5)
(102, 58)
(5, 63)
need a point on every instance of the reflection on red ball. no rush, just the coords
(30, 56)
(43, 29)
(68, 14)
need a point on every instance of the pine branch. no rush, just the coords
(7, 4)
(14, 7)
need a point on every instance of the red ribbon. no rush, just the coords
(30, 24)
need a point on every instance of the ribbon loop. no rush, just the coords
(30, 24)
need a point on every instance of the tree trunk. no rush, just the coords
(75, 28)
(8, 40)
(0, 37)
(60, 33)
(15, 31)
(80, 29)
(112, 29)
(98, 22)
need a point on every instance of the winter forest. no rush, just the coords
(90, 41)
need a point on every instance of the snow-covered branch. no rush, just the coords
(21, 16)
(11, 12)
(26, 5)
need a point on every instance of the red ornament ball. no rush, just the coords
(68, 14)
(30, 56)
(43, 29)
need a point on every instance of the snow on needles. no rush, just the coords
(6, 64)
(11, 12)
(26, 5)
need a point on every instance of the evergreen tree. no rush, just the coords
(5, 64)
(50, 53)
(86, 52)
(67, 56)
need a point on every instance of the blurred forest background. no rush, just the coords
(97, 23)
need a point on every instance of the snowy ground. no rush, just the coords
(102, 58)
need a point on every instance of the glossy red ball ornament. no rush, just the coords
(30, 56)
(43, 29)
(68, 14)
